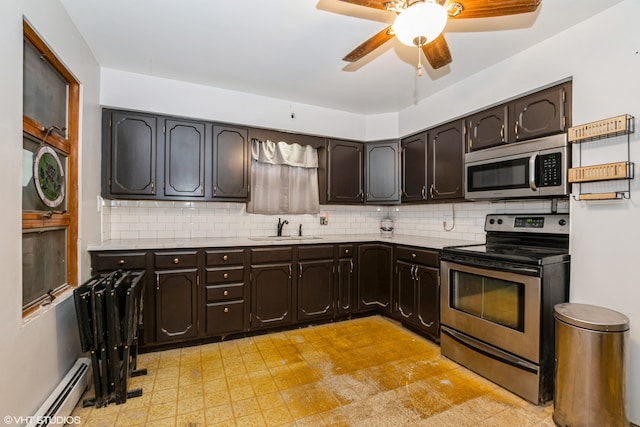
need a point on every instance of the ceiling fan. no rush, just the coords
(421, 22)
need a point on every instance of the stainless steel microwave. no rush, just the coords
(535, 168)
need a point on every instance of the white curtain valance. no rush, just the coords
(284, 179)
(282, 153)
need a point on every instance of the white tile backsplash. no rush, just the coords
(141, 219)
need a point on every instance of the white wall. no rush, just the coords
(602, 56)
(34, 356)
(154, 94)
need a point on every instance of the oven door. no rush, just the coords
(500, 308)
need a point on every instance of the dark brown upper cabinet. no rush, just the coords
(129, 154)
(345, 172)
(184, 144)
(231, 163)
(382, 172)
(446, 158)
(542, 113)
(413, 164)
(162, 158)
(488, 128)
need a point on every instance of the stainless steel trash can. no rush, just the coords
(591, 346)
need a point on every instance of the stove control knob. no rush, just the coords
(499, 221)
(562, 222)
(491, 221)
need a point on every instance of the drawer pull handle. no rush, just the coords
(226, 309)
(225, 258)
(121, 262)
(225, 293)
(176, 260)
(346, 251)
(225, 276)
(413, 256)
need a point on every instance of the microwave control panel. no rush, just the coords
(550, 169)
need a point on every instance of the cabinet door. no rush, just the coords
(541, 113)
(487, 128)
(414, 168)
(375, 277)
(176, 305)
(271, 295)
(345, 170)
(382, 172)
(231, 162)
(406, 293)
(184, 158)
(315, 289)
(132, 154)
(428, 300)
(346, 286)
(446, 155)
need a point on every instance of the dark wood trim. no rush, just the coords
(38, 131)
(34, 38)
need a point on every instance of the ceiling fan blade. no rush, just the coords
(369, 45)
(375, 4)
(437, 52)
(490, 8)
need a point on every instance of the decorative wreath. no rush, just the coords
(48, 176)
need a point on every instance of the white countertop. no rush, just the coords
(217, 242)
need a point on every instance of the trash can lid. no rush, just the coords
(591, 317)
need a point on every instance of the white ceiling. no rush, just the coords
(292, 49)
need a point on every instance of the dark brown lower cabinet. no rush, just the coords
(204, 293)
(176, 304)
(346, 286)
(405, 292)
(271, 295)
(375, 277)
(315, 289)
(225, 287)
(418, 290)
(428, 301)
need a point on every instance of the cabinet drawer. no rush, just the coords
(224, 292)
(224, 257)
(182, 259)
(225, 275)
(223, 318)
(315, 252)
(345, 251)
(418, 256)
(271, 254)
(116, 260)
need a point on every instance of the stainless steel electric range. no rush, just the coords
(497, 301)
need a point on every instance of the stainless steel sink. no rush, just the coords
(280, 238)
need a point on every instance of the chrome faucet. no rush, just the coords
(280, 225)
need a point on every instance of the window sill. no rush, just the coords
(32, 313)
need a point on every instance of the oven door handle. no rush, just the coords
(492, 265)
(532, 172)
(489, 351)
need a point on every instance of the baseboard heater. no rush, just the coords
(65, 397)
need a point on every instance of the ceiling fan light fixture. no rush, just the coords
(420, 23)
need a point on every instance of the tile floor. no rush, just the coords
(363, 372)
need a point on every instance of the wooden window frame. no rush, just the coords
(69, 146)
